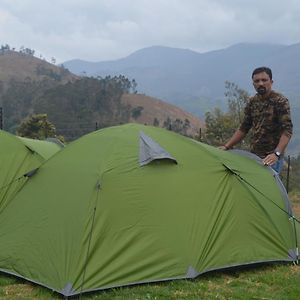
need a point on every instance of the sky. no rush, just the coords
(100, 30)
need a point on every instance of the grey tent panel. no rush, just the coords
(68, 289)
(150, 150)
(191, 273)
(292, 254)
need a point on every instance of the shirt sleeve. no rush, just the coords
(284, 117)
(247, 121)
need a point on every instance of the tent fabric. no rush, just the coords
(45, 149)
(288, 206)
(92, 218)
(18, 156)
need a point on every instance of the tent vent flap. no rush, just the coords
(150, 151)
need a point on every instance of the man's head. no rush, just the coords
(262, 80)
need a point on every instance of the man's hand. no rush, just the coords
(270, 159)
(223, 147)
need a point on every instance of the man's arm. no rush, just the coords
(282, 144)
(283, 108)
(236, 138)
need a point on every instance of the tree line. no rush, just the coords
(73, 107)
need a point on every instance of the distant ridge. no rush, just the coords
(180, 76)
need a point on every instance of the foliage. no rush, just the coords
(294, 145)
(220, 125)
(74, 107)
(177, 125)
(136, 112)
(292, 182)
(37, 127)
(77, 107)
(27, 51)
(18, 99)
(4, 48)
(41, 70)
(155, 122)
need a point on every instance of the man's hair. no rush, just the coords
(262, 69)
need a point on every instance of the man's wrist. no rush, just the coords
(277, 153)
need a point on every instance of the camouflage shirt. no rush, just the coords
(269, 119)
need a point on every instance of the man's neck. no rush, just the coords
(266, 95)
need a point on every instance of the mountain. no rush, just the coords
(195, 81)
(76, 104)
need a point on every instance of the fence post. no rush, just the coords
(288, 174)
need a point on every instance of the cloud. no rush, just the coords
(109, 29)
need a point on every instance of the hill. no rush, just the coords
(19, 67)
(151, 111)
(78, 105)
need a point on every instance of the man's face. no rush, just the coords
(262, 83)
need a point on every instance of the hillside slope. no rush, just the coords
(77, 105)
(19, 67)
(151, 111)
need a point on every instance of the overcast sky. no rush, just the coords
(97, 30)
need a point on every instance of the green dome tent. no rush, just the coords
(134, 204)
(19, 156)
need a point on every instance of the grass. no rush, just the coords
(277, 281)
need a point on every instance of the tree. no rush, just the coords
(237, 99)
(221, 125)
(4, 48)
(156, 122)
(133, 86)
(136, 112)
(37, 127)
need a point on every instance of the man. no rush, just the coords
(268, 114)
